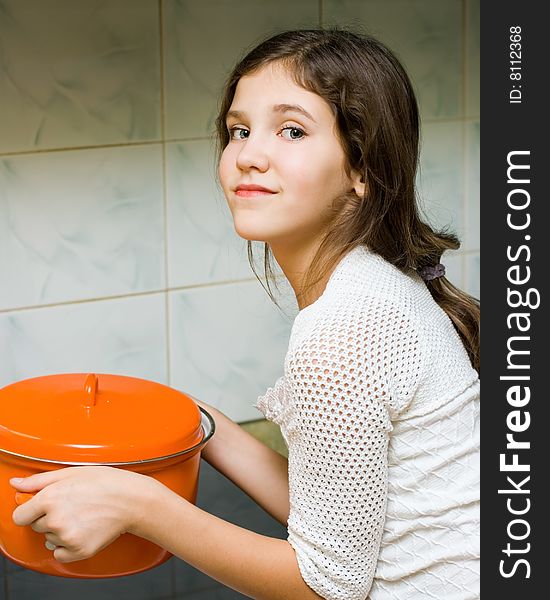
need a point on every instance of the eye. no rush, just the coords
(293, 133)
(236, 133)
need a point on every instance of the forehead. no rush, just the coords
(273, 85)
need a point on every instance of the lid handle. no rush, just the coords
(90, 388)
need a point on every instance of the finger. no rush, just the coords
(40, 525)
(64, 555)
(29, 512)
(54, 540)
(35, 483)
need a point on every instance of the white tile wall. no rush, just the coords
(454, 269)
(426, 35)
(226, 342)
(80, 224)
(440, 177)
(472, 241)
(203, 41)
(78, 73)
(472, 273)
(125, 336)
(199, 221)
(117, 252)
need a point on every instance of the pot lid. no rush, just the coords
(79, 417)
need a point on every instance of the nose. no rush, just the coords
(253, 154)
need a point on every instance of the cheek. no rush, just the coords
(224, 169)
(317, 179)
(299, 175)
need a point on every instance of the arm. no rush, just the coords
(258, 566)
(258, 470)
(338, 463)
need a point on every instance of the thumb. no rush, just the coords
(34, 483)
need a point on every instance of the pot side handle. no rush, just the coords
(22, 497)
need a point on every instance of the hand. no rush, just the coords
(81, 510)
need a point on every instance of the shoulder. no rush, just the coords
(364, 330)
(368, 311)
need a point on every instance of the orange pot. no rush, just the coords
(79, 419)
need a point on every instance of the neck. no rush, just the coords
(294, 263)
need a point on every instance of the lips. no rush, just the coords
(245, 190)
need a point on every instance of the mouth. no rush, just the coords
(249, 191)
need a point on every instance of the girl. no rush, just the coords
(379, 400)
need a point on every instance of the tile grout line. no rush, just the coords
(466, 143)
(203, 138)
(36, 151)
(465, 211)
(465, 62)
(184, 288)
(164, 196)
(465, 192)
(468, 136)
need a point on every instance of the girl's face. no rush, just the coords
(284, 164)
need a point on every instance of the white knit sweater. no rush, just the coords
(379, 407)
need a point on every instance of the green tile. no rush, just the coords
(269, 433)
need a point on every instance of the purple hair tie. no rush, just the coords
(429, 273)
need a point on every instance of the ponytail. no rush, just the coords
(464, 312)
(462, 309)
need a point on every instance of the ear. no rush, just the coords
(358, 185)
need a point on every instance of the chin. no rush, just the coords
(251, 232)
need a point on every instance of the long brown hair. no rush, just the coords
(378, 125)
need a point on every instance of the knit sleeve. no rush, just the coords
(270, 403)
(338, 458)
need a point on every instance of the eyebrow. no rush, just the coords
(279, 108)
